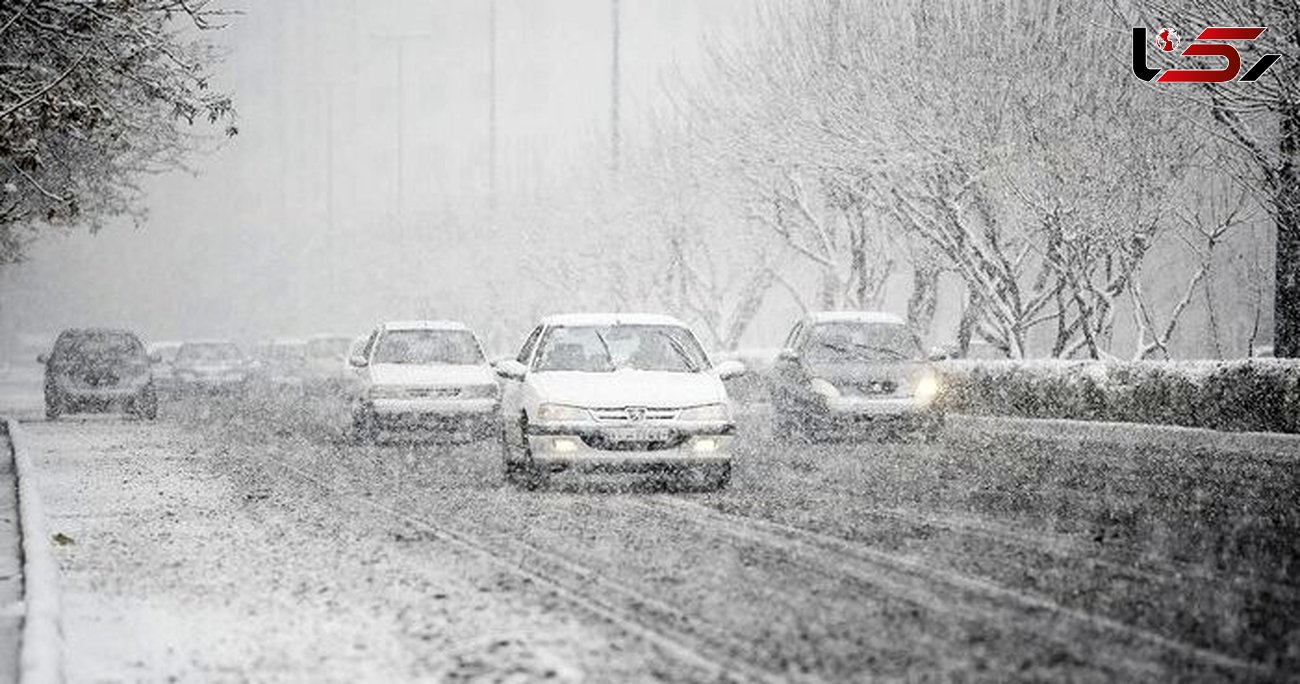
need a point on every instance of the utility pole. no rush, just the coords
(615, 139)
(405, 257)
(492, 104)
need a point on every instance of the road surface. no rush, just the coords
(237, 539)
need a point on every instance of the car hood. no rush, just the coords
(405, 374)
(652, 389)
(901, 373)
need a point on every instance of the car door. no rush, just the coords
(512, 392)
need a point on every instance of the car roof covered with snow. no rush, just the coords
(424, 325)
(582, 319)
(854, 317)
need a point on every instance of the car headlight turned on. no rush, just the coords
(708, 413)
(479, 392)
(927, 388)
(823, 388)
(561, 413)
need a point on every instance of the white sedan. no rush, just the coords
(615, 393)
(423, 377)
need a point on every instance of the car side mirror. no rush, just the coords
(510, 369)
(788, 354)
(730, 369)
(43, 359)
(358, 361)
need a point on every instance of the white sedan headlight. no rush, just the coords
(823, 387)
(561, 413)
(709, 413)
(927, 388)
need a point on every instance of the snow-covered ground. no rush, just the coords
(174, 570)
(232, 542)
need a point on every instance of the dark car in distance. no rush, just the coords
(98, 369)
(848, 372)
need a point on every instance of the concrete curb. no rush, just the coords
(1277, 444)
(41, 659)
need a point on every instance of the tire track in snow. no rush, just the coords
(679, 634)
(931, 587)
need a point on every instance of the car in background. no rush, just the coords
(208, 366)
(844, 372)
(325, 362)
(615, 393)
(281, 364)
(98, 369)
(424, 378)
(163, 355)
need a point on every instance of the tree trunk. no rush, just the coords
(921, 305)
(1286, 193)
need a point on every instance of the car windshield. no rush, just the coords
(327, 348)
(601, 349)
(428, 347)
(208, 352)
(106, 345)
(859, 341)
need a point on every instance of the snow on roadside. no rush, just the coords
(181, 563)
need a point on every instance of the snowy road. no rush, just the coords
(225, 543)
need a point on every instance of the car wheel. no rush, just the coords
(145, 404)
(535, 477)
(54, 406)
(363, 427)
(721, 477)
(510, 469)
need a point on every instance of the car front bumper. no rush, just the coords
(101, 395)
(833, 414)
(477, 416)
(623, 449)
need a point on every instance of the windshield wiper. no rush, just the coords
(680, 349)
(609, 355)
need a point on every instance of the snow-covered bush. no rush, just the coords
(1249, 394)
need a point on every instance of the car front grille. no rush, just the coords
(635, 414)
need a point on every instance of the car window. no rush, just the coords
(424, 347)
(598, 349)
(526, 351)
(861, 341)
(98, 345)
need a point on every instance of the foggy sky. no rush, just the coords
(295, 226)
